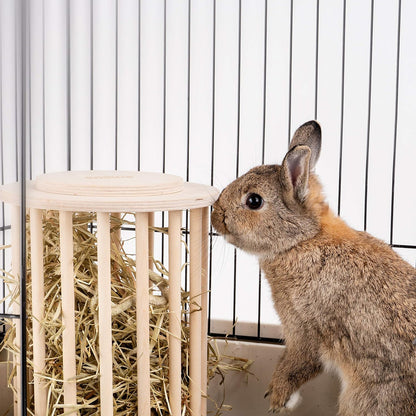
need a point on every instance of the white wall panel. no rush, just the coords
(10, 122)
(355, 110)
(201, 90)
(382, 118)
(36, 57)
(226, 92)
(408, 254)
(404, 230)
(250, 145)
(104, 83)
(55, 86)
(81, 83)
(251, 84)
(152, 76)
(225, 146)
(329, 93)
(176, 131)
(128, 85)
(222, 287)
(277, 80)
(303, 63)
(8, 89)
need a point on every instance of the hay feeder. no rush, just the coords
(117, 192)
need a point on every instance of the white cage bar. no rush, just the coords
(116, 192)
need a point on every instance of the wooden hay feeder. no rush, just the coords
(116, 192)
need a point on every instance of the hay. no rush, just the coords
(123, 325)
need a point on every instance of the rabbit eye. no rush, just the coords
(254, 201)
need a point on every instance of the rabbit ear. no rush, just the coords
(295, 171)
(308, 134)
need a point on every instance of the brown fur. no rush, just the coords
(345, 299)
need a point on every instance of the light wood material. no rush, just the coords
(38, 302)
(191, 196)
(15, 226)
(175, 314)
(196, 315)
(143, 193)
(104, 313)
(204, 305)
(151, 239)
(68, 309)
(109, 183)
(142, 308)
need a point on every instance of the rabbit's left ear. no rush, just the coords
(295, 172)
(308, 134)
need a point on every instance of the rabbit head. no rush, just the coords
(272, 208)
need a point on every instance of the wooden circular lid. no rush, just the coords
(111, 191)
(109, 183)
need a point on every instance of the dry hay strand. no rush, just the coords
(123, 325)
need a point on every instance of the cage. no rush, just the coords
(110, 84)
(115, 192)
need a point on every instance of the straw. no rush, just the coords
(123, 325)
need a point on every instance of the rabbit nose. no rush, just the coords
(217, 219)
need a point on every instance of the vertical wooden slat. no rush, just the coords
(15, 226)
(142, 308)
(151, 239)
(38, 301)
(175, 218)
(104, 313)
(204, 305)
(196, 315)
(68, 308)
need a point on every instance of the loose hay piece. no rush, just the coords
(123, 325)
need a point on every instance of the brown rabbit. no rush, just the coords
(346, 300)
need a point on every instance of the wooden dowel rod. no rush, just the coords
(15, 227)
(151, 239)
(204, 305)
(196, 315)
(68, 309)
(38, 309)
(142, 318)
(104, 313)
(175, 313)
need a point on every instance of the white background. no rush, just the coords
(207, 89)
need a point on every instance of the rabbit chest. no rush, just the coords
(300, 293)
(355, 302)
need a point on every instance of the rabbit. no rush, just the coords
(346, 300)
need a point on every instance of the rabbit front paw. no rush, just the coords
(280, 403)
